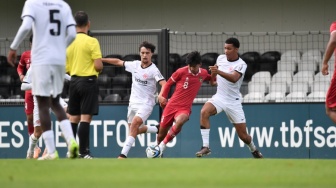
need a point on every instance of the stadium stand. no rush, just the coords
(304, 76)
(209, 59)
(287, 65)
(291, 55)
(262, 77)
(113, 98)
(252, 59)
(269, 61)
(277, 92)
(313, 54)
(272, 59)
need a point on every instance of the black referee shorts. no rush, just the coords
(83, 95)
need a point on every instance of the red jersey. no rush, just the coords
(187, 86)
(331, 94)
(24, 63)
(333, 29)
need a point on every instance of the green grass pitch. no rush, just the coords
(168, 172)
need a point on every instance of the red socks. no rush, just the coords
(171, 134)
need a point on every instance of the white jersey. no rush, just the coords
(143, 82)
(51, 19)
(227, 90)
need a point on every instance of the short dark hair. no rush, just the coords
(147, 45)
(233, 41)
(81, 18)
(193, 58)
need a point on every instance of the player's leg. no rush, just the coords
(236, 115)
(175, 129)
(247, 139)
(135, 120)
(33, 139)
(167, 120)
(84, 136)
(88, 104)
(41, 79)
(207, 110)
(133, 132)
(74, 104)
(331, 113)
(48, 133)
(65, 126)
(145, 111)
(29, 106)
(330, 103)
(33, 150)
(180, 119)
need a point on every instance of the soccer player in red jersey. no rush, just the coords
(188, 81)
(24, 65)
(331, 94)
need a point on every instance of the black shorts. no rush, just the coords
(83, 95)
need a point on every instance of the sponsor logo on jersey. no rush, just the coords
(143, 82)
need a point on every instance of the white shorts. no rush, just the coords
(47, 80)
(234, 109)
(140, 110)
(36, 116)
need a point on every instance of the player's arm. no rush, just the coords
(23, 31)
(98, 64)
(162, 100)
(213, 81)
(331, 46)
(71, 34)
(20, 68)
(113, 61)
(163, 96)
(231, 77)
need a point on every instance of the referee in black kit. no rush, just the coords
(83, 64)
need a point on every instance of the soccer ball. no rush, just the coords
(153, 151)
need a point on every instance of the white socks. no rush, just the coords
(32, 143)
(128, 144)
(151, 129)
(66, 128)
(205, 137)
(162, 146)
(251, 146)
(49, 140)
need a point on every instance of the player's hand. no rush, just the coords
(163, 105)
(325, 69)
(22, 77)
(213, 69)
(162, 101)
(11, 57)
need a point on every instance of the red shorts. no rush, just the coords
(169, 114)
(29, 102)
(331, 94)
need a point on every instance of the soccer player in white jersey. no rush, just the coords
(229, 71)
(33, 138)
(54, 29)
(145, 75)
